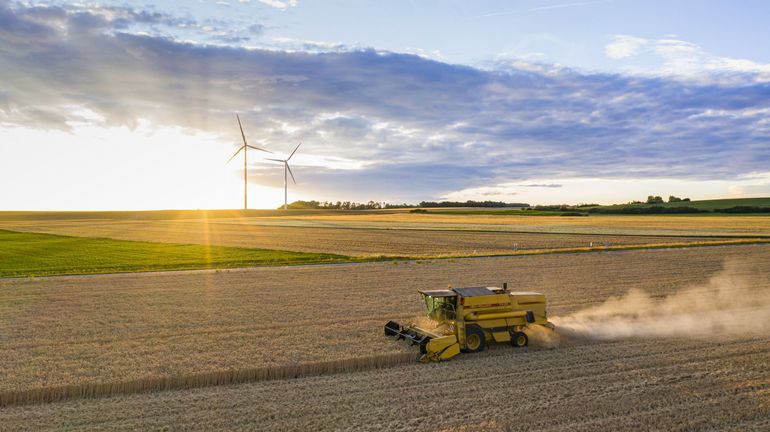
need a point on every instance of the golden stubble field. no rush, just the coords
(631, 385)
(359, 238)
(113, 328)
(681, 225)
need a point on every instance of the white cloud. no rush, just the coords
(624, 46)
(307, 45)
(683, 59)
(279, 4)
(689, 59)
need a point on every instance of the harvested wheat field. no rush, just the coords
(675, 225)
(630, 385)
(359, 242)
(114, 335)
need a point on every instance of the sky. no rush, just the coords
(131, 105)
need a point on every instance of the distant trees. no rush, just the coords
(553, 207)
(656, 209)
(339, 205)
(471, 203)
(372, 205)
(655, 199)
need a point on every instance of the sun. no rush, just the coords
(96, 167)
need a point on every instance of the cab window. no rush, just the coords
(441, 308)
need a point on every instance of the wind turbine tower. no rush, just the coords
(245, 147)
(286, 168)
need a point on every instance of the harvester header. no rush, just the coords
(469, 318)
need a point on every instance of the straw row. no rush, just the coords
(204, 379)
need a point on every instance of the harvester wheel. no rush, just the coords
(519, 339)
(474, 339)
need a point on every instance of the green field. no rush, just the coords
(722, 203)
(31, 254)
(495, 212)
(706, 204)
(140, 215)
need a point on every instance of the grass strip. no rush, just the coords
(34, 254)
(611, 248)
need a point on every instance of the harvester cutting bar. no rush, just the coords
(413, 334)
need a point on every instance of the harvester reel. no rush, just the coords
(392, 328)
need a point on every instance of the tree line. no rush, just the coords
(374, 205)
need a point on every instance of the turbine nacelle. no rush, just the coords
(286, 168)
(286, 162)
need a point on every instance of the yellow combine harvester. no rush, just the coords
(469, 318)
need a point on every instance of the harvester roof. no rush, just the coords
(462, 292)
(438, 293)
(474, 291)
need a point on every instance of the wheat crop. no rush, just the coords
(76, 331)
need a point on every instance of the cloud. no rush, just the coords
(624, 46)
(543, 185)
(278, 4)
(399, 124)
(682, 59)
(290, 44)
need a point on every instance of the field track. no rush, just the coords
(97, 330)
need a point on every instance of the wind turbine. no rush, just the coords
(285, 179)
(245, 147)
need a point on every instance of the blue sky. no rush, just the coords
(131, 105)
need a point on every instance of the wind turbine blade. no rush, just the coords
(292, 153)
(257, 148)
(241, 128)
(276, 160)
(292, 174)
(235, 154)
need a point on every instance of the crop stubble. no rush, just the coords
(640, 384)
(113, 328)
(683, 225)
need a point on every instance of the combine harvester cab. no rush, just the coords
(470, 318)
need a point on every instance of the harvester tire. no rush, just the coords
(519, 339)
(474, 339)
